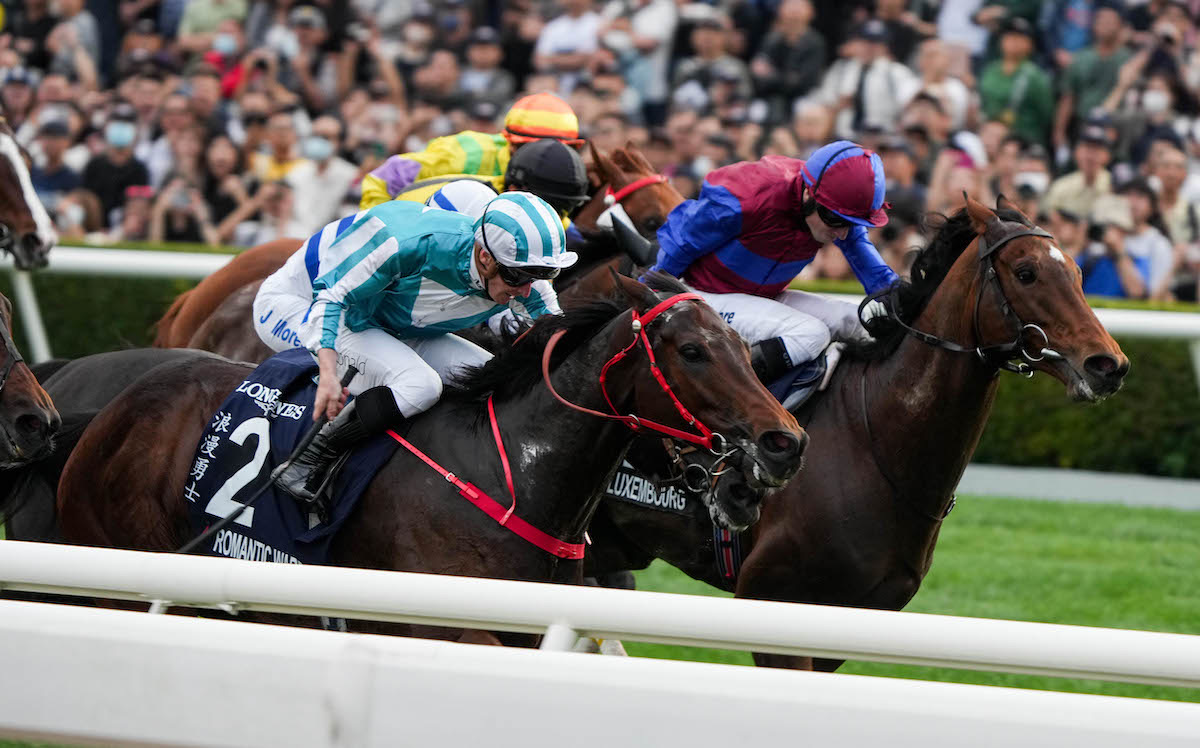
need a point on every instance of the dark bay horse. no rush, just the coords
(79, 389)
(896, 427)
(123, 485)
(26, 231)
(215, 315)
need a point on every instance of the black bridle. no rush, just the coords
(1002, 356)
(13, 356)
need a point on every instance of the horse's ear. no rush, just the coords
(605, 168)
(638, 158)
(980, 214)
(623, 161)
(638, 295)
(1003, 203)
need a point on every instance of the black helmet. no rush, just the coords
(552, 171)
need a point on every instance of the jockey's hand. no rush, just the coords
(331, 395)
(875, 317)
(833, 354)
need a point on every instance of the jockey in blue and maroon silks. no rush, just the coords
(757, 224)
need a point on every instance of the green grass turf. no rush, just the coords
(1085, 564)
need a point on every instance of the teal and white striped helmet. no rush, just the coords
(466, 196)
(521, 229)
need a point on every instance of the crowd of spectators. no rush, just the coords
(239, 121)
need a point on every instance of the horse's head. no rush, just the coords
(25, 228)
(1030, 295)
(28, 420)
(645, 196)
(707, 367)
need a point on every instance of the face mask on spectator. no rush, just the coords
(702, 165)
(1155, 100)
(224, 44)
(1036, 181)
(415, 33)
(70, 215)
(120, 134)
(316, 148)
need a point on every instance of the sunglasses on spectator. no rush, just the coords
(255, 119)
(517, 277)
(831, 219)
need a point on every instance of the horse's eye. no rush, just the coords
(693, 353)
(651, 225)
(1026, 276)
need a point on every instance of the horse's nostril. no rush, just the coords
(36, 424)
(782, 444)
(1105, 366)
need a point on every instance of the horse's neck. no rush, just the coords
(562, 460)
(928, 406)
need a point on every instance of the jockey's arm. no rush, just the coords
(865, 261)
(443, 155)
(696, 228)
(388, 179)
(541, 300)
(357, 284)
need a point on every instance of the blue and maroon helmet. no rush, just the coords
(848, 180)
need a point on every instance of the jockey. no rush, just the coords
(475, 153)
(545, 167)
(756, 225)
(383, 295)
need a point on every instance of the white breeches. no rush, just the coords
(806, 322)
(414, 369)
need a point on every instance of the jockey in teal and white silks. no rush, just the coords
(383, 296)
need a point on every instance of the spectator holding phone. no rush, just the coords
(181, 215)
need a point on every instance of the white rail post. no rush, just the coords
(31, 316)
(559, 637)
(1194, 347)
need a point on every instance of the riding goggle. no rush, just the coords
(517, 277)
(831, 219)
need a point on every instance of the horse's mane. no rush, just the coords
(518, 366)
(951, 236)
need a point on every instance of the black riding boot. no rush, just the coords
(371, 413)
(770, 360)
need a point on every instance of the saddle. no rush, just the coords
(254, 430)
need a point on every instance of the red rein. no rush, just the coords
(704, 438)
(505, 517)
(611, 198)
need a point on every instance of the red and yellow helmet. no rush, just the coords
(539, 116)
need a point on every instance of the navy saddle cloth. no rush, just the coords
(255, 430)
(795, 388)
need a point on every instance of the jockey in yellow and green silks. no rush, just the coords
(475, 153)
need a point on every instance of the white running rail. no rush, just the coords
(82, 675)
(759, 626)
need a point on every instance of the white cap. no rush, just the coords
(466, 196)
(521, 229)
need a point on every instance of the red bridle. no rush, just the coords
(611, 198)
(505, 516)
(704, 438)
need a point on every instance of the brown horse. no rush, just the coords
(896, 427)
(123, 485)
(626, 177)
(26, 231)
(215, 315)
(28, 420)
